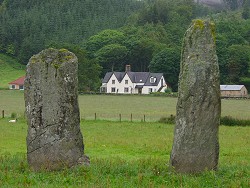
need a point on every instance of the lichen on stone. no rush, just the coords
(212, 27)
(198, 24)
(63, 50)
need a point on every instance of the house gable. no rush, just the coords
(133, 82)
(17, 84)
(233, 91)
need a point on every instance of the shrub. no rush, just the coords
(170, 119)
(13, 115)
(230, 121)
(168, 90)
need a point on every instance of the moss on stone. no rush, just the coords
(212, 27)
(33, 59)
(56, 65)
(198, 24)
(63, 50)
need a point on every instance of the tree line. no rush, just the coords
(107, 35)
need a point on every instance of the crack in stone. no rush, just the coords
(55, 140)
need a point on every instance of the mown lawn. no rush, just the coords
(124, 155)
(109, 107)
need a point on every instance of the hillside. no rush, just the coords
(10, 70)
(107, 35)
(38, 24)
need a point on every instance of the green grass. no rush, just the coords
(10, 70)
(125, 155)
(109, 107)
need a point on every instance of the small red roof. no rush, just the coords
(19, 81)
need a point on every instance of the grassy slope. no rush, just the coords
(125, 155)
(10, 70)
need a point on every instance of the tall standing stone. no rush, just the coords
(54, 139)
(196, 146)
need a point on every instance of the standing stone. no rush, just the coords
(54, 139)
(196, 147)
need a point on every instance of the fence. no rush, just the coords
(121, 117)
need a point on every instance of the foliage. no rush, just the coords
(169, 120)
(13, 115)
(114, 33)
(110, 56)
(230, 121)
(26, 27)
(168, 62)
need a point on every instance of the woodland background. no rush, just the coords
(107, 35)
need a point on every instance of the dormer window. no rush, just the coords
(113, 81)
(152, 79)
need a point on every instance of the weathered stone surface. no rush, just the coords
(54, 139)
(196, 146)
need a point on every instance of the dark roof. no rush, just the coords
(139, 86)
(138, 77)
(107, 77)
(135, 77)
(118, 75)
(154, 75)
(19, 81)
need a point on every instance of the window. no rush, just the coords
(125, 89)
(13, 86)
(152, 80)
(21, 87)
(150, 90)
(113, 81)
(113, 89)
(126, 81)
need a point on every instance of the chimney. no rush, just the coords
(128, 68)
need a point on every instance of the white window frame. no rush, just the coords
(152, 79)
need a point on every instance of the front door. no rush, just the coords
(139, 90)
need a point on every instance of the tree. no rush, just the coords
(104, 38)
(111, 57)
(238, 62)
(168, 62)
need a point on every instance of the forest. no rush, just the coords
(107, 35)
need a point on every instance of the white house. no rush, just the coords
(133, 82)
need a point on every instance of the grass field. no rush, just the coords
(125, 155)
(10, 70)
(109, 107)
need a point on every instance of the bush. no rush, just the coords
(170, 119)
(226, 120)
(168, 90)
(13, 115)
(230, 121)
